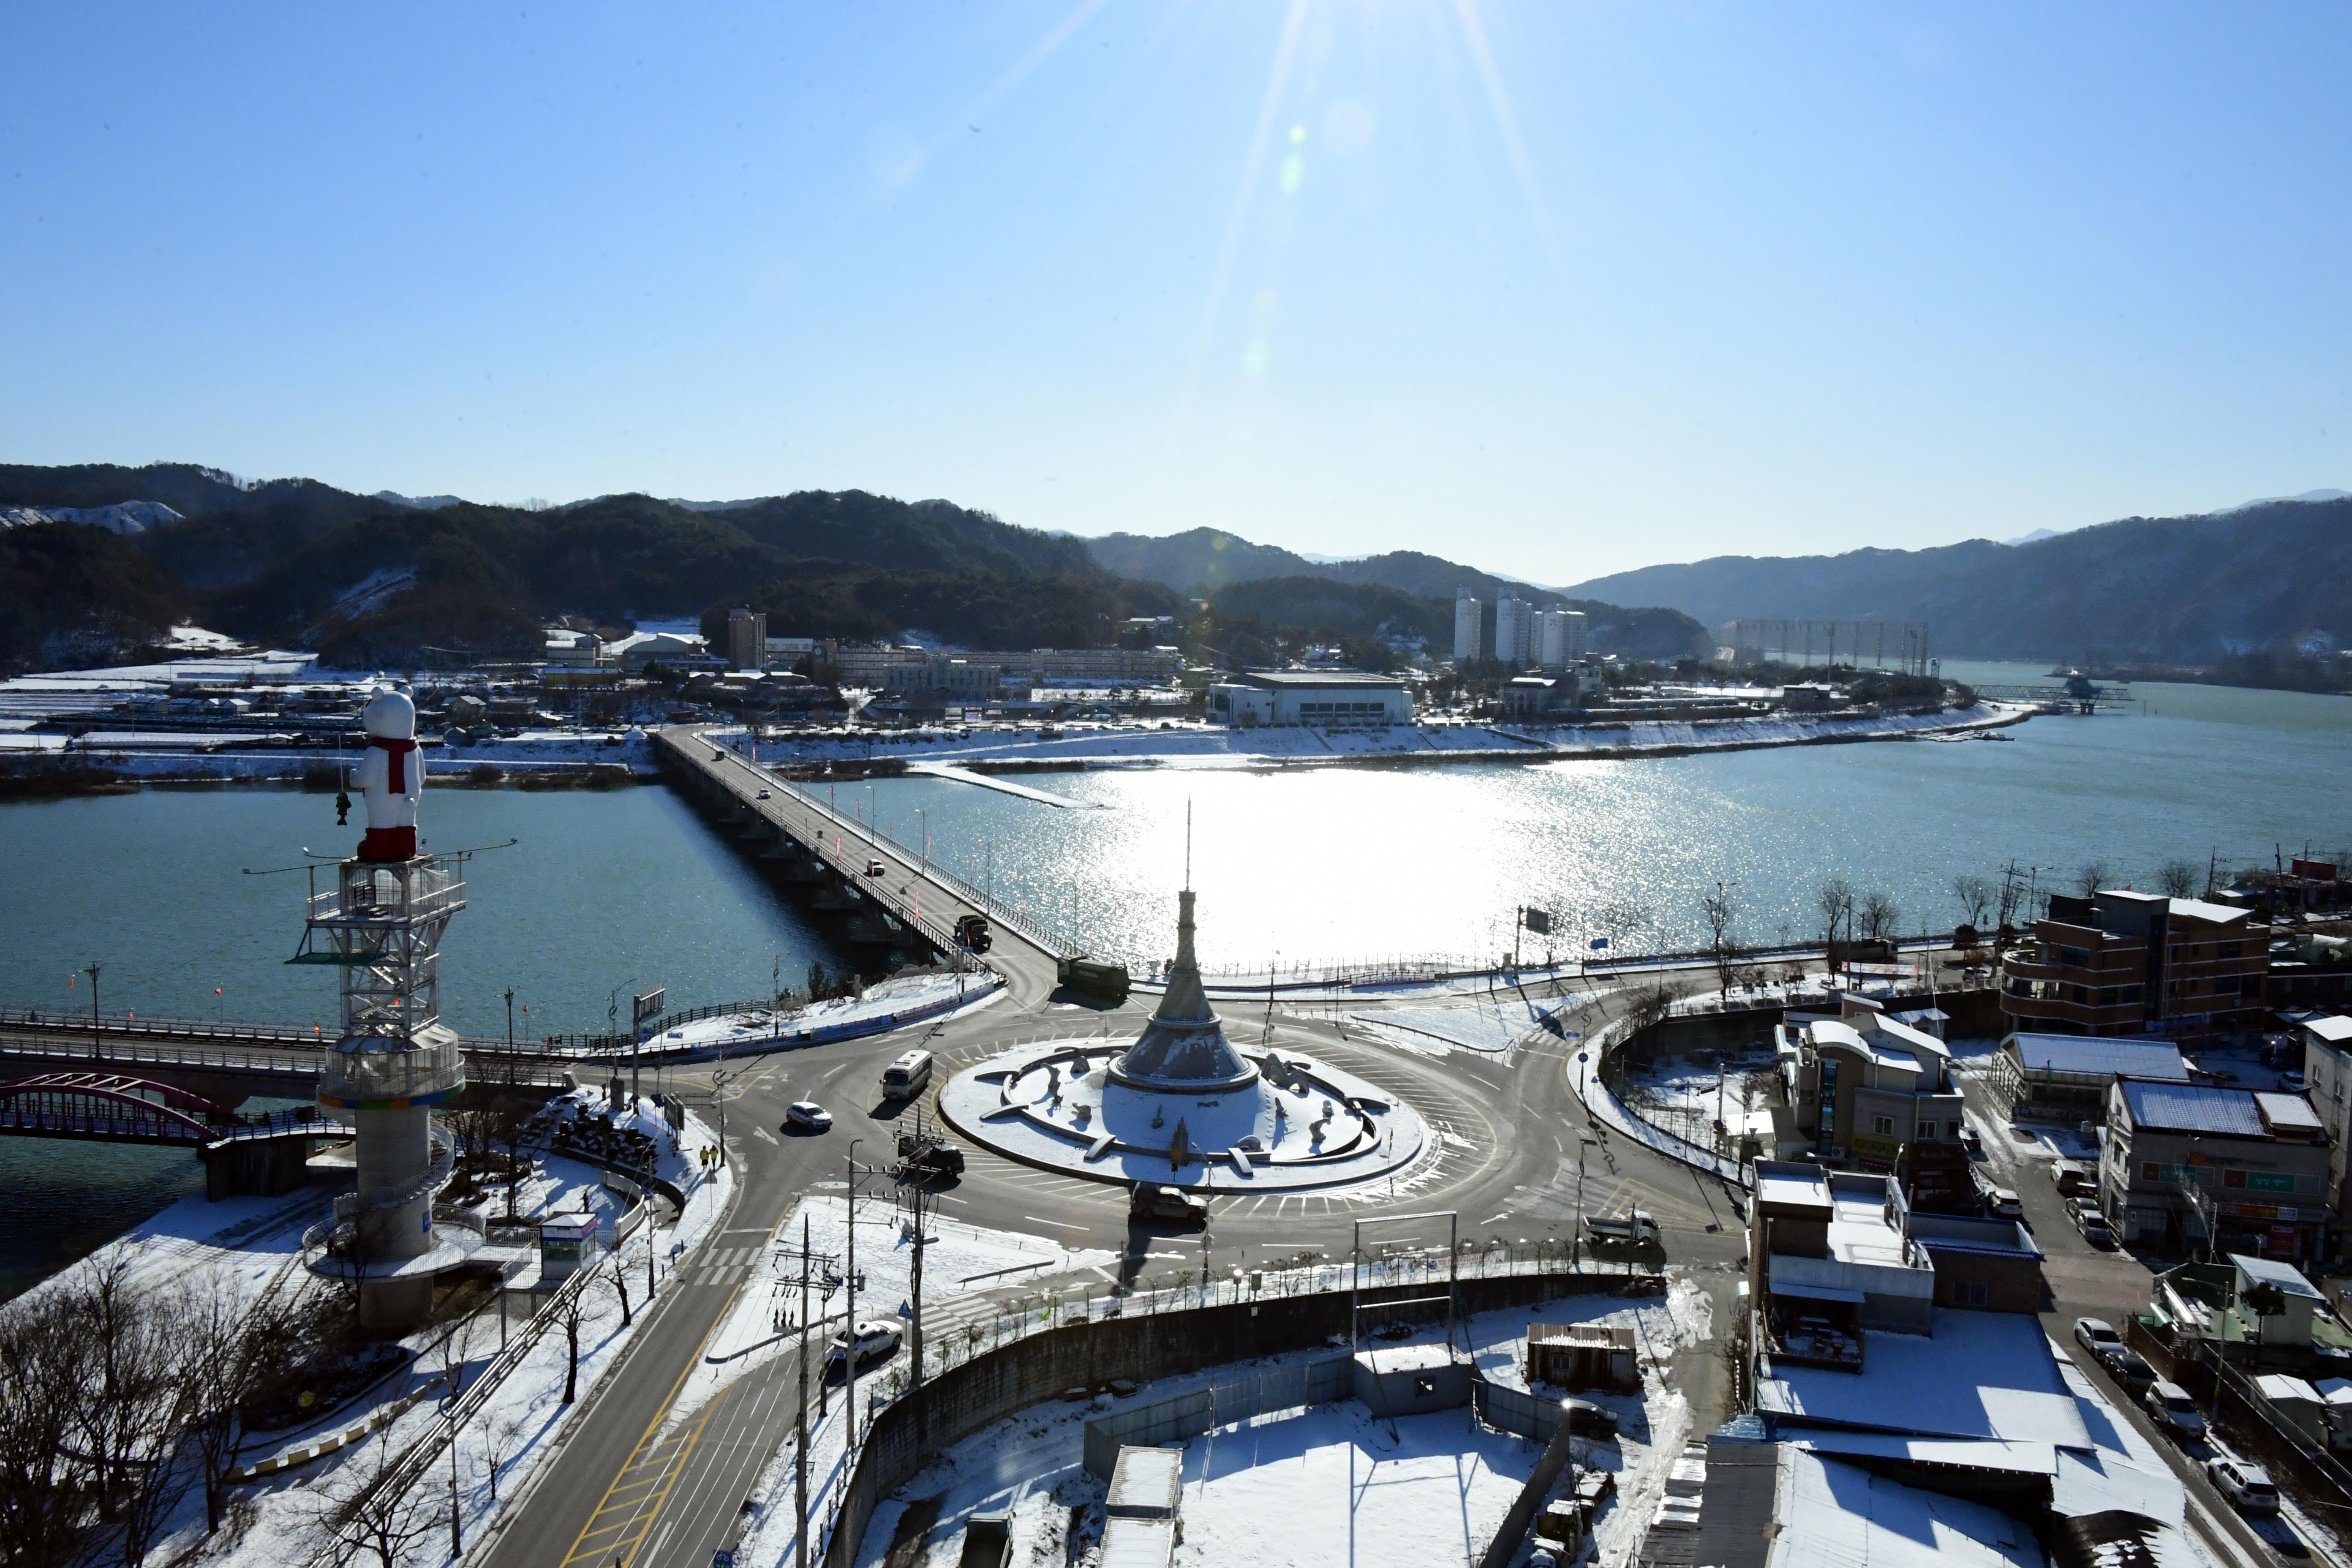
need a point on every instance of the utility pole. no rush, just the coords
(800, 1413)
(95, 1052)
(509, 1021)
(849, 1323)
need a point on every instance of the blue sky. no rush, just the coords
(1557, 289)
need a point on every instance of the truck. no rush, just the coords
(971, 933)
(1633, 1229)
(1092, 977)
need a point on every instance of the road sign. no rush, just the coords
(1537, 921)
(1583, 1056)
(648, 1007)
(723, 1558)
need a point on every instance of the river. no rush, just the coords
(629, 890)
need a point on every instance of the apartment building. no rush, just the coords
(1515, 626)
(2123, 963)
(1560, 637)
(1469, 626)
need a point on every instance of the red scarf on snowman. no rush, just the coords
(395, 761)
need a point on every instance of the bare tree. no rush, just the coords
(128, 1408)
(501, 1436)
(1877, 915)
(2091, 877)
(2179, 879)
(42, 1345)
(618, 1272)
(1834, 901)
(571, 1313)
(233, 1350)
(362, 1511)
(1620, 918)
(1719, 911)
(1975, 895)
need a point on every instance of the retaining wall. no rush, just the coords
(1043, 1365)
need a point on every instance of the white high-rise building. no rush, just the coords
(1514, 630)
(1469, 623)
(1560, 639)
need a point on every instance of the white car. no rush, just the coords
(2099, 1336)
(2093, 1224)
(763, 794)
(808, 1113)
(2246, 1486)
(2002, 1204)
(875, 1341)
(2170, 1404)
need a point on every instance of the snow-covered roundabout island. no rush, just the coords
(1181, 1107)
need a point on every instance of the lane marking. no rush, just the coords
(1058, 1224)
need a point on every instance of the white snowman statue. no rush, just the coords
(392, 775)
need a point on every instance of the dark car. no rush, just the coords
(1167, 1204)
(1586, 1420)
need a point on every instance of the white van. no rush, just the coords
(905, 1079)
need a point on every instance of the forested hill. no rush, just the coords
(372, 580)
(1402, 592)
(1204, 559)
(2182, 590)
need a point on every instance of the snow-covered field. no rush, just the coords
(837, 1016)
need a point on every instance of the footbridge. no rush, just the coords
(807, 841)
(267, 1153)
(225, 1062)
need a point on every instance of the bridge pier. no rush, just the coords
(259, 1167)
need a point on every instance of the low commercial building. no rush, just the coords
(2257, 1163)
(2065, 1077)
(1539, 696)
(1324, 698)
(1861, 1086)
(675, 650)
(2123, 963)
(1985, 1265)
(1830, 1256)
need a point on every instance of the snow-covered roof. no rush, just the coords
(1832, 1515)
(2099, 1056)
(2276, 1271)
(2288, 1112)
(2278, 1386)
(2336, 1031)
(2336, 1390)
(2199, 909)
(2194, 1108)
(1982, 1374)
(2027, 1458)
(1911, 1037)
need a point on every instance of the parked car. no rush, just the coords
(2129, 1368)
(876, 1340)
(808, 1113)
(1970, 1141)
(2246, 1486)
(2068, 1177)
(2002, 1203)
(2292, 1082)
(1586, 1420)
(2092, 1225)
(2174, 1411)
(1167, 1204)
(2099, 1336)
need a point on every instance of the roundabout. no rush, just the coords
(1181, 1105)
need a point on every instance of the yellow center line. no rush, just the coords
(660, 1415)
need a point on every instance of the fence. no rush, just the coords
(1318, 1381)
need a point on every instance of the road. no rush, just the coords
(2113, 1284)
(625, 1488)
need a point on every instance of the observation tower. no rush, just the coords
(380, 918)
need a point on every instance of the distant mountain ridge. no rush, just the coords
(2163, 590)
(395, 580)
(1204, 559)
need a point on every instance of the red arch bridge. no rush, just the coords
(111, 1108)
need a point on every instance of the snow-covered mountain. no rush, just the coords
(123, 517)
